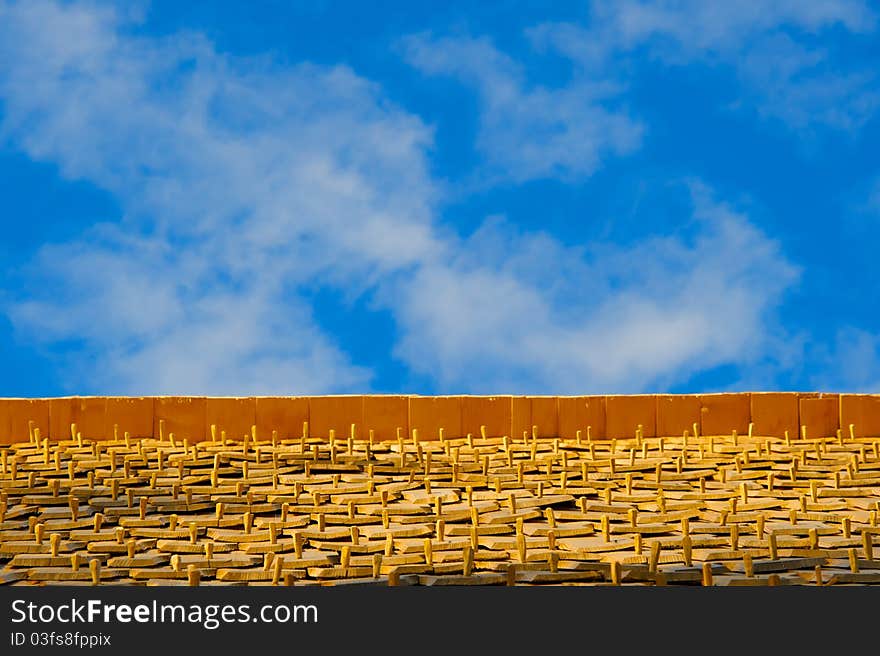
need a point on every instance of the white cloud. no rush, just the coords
(767, 42)
(245, 182)
(534, 315)
(241, 182)
(851, 364)
(530, 131)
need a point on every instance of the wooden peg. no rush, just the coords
(687, 550)
(54, 543)
(853, 560)
(377, 565)
(707, 575)
(771, 543)
(521, 547)
(95, 569)
(467, 557)
(748, 566)
(655, 557)
(615, 572)
(131, 547)
(193, 532)
(868, 544)
(193, 576)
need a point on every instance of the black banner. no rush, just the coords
(232, 620)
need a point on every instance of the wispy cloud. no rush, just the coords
(768, 43)
(523, 312)
(530, 131)
(241, 182)
(246, 183)
(851, 363)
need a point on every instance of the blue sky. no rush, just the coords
(316, 197)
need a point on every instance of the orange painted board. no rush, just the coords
(624, 414)
(721, 414)
(88, 413)
(235, 416)
(384, 415)
(493, 412)
(336, 413)
(863, 412)
(578, 413)
(61, 412)
(183, 415)
(773, 413)
(428, 414)
(545, 415)
(541, 412)
(6, 423)
(677, 413)
(285, 414)
(133, 415)
(14, 417)
(820, 413)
